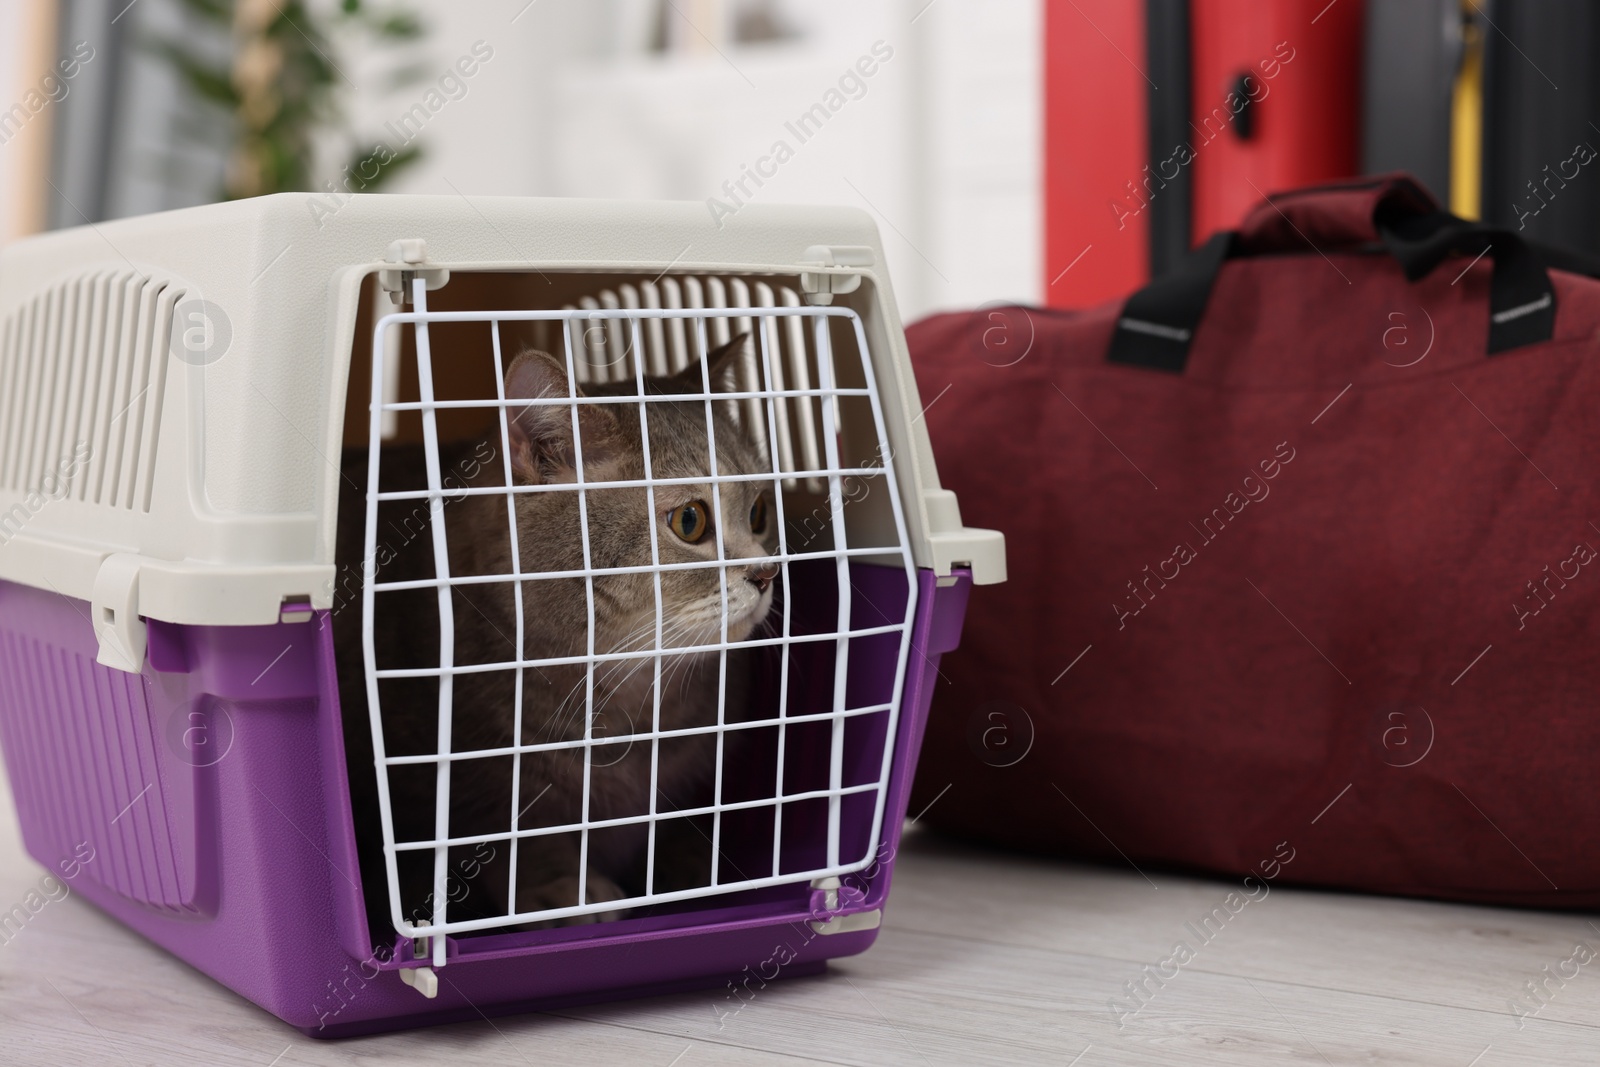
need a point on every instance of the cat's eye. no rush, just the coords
(691, 521)
(758, 516)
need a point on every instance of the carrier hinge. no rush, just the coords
(820, 286)
(828, 889)
(424, 980)
(412, 255)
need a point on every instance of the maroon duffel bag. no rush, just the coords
(1303, 560)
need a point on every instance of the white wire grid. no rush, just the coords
(771, 396)
(608, 345)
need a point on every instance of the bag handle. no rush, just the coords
(1158, 322)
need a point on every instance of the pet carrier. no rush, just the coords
(456, 467)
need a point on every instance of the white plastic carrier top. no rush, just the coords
(173, 387)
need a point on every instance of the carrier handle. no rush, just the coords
(1522, 300)
(1157, 323)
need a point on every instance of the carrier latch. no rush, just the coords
(957, 545)
(819, 286)
(412, 254)
(115, 611)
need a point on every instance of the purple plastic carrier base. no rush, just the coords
(214, 793)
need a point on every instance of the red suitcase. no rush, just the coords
(1165, 120)
(1304, 542)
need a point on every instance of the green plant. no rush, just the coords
(281, 86)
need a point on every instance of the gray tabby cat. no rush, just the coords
(555, 617)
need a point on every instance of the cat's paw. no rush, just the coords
(563, 893)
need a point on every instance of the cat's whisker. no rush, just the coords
(671, 632)
(555, 726)
(670, 637)
(683, 669)
(562, 717)
(612, 691)
(767, 627)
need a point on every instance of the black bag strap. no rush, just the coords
(1522, 301)
(1158, 323)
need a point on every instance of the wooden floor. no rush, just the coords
(985, 959)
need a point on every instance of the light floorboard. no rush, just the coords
(986, 958)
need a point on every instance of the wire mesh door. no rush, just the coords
(724, 607)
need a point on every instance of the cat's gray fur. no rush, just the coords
(555, 617)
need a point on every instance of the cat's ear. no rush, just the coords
(722, 363)
(542, 448)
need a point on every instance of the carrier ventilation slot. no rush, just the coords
(606, 353)
(96, 784)
(82, 373)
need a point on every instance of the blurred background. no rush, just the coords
(1041, 151)
(595, 98)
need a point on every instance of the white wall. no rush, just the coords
(27, 54)
(984, 169)
(942, 146)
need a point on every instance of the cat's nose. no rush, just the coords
(761, 577)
